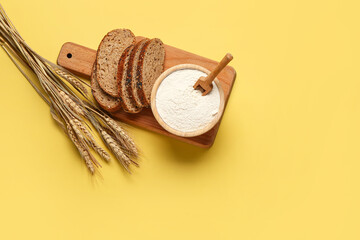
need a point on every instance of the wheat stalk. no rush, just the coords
(72, 80)
(115, 147)
(82, 150)
(69, 104)
(90, 139)
(72, 104)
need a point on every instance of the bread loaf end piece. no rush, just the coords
(106, 102)
(107, 59)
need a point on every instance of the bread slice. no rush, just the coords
(107, 59)
(131, 72)
(150, 66)
(106, 102)
(128, 103)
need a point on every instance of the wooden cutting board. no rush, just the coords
(79, 60)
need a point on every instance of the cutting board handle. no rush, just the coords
(77, 59)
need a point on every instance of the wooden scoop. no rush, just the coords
(204, 84)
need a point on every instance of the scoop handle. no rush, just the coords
(228, 57)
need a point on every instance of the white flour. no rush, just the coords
(181, 106)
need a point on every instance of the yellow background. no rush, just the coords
(286, 161)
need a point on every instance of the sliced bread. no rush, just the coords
(106, 102)
(131, 72)
(128, 103)
(149, 68)
(107, 58)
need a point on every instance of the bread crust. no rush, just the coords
(98, 77)
(140, 73)
(96, 92)
(132, 79)
(127, 103)
(131, 75)
(139, 90)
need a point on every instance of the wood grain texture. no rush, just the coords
(82, 59)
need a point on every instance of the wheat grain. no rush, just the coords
(74, 106)
(83, 128)
(123, 135)
(83, 152)
(72, 80)
(88, 161)
(75, 128)
(114, 146)
(105, 155)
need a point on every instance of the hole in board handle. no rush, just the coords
(69, 55)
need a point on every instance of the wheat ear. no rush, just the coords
(83, 152)
(115, 147)
(69, 105)
(127, 140)
(104, 154)
(69, 102)
(72, 80)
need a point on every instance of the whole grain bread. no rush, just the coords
(131, 72)
(107, 58)
(150, 66)
(106, 102)
(128, 103)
